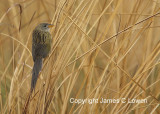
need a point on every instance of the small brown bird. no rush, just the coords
(41, 45)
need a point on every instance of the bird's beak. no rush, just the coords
(51, 25)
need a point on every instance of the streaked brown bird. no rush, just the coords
(41, 46)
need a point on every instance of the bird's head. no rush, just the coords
(44, 27)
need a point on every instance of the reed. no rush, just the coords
(106, 49)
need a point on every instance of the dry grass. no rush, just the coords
(101, 49)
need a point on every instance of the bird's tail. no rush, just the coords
(36, 69)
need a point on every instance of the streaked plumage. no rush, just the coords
(41, 45)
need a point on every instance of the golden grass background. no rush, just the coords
(101, 49)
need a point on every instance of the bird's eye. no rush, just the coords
(45, 25)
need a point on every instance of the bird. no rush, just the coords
(41, 46)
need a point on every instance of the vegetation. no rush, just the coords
(106, 49)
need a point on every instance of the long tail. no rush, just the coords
(36, 69)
